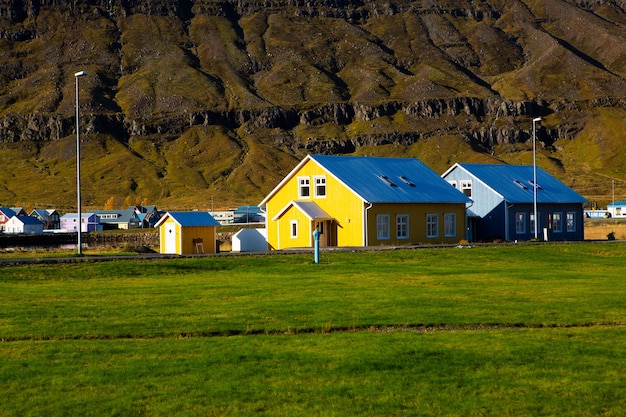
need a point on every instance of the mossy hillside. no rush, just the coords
(160, 76)
(155, 72)
(41, 72)
(222, 56)
(594, 159)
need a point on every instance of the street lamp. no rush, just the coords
(535, 120)
(77, 76)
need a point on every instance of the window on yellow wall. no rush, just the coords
(293, 229)
(432, 225)
(402, 226)
(449, 224)
(304, 187)
(382, 226)
(320, 186)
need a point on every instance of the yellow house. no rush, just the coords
(363, 201)
(184, 233)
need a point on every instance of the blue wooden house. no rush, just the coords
(503, 205)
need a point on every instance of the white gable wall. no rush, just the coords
(485, 199)
(250, 240)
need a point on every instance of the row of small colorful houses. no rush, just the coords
(16, 220)
(354, 201)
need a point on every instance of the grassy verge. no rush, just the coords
(500, 372)
(512, 330)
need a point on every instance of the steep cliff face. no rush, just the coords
(190, 101)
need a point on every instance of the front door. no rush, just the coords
(324, 227)
(170, 238)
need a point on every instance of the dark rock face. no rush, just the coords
(40, 128)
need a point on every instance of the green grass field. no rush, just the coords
(504, 330)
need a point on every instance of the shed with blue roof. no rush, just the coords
(363, 201)
(187, 232)
(503, 202)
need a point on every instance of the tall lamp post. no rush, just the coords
(80, 225)
(535, 121)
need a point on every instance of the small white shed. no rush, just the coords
(250, 240)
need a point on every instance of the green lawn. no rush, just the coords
(504, 330)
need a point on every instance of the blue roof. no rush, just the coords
(390, 180)
(247, 209)
(41, 213)
(515, 183)
(192, 218)
(28, 220)
(7, 211)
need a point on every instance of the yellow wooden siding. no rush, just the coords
(304, 230)
(206, 233)
(417, 223)
(340, 203)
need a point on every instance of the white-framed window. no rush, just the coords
(557, 222)
(402, 226)
(320, 186)
(570, 221)
(449, 224)
(382, 226)
(466, 187)
(293, 229)
(304, 187)
(452, 183)
(432, 225)
(532, 223)
(520, 223)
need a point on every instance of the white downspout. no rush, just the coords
(468, 235)
(365, 223)
(506, 221)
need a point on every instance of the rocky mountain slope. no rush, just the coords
(200, 103)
